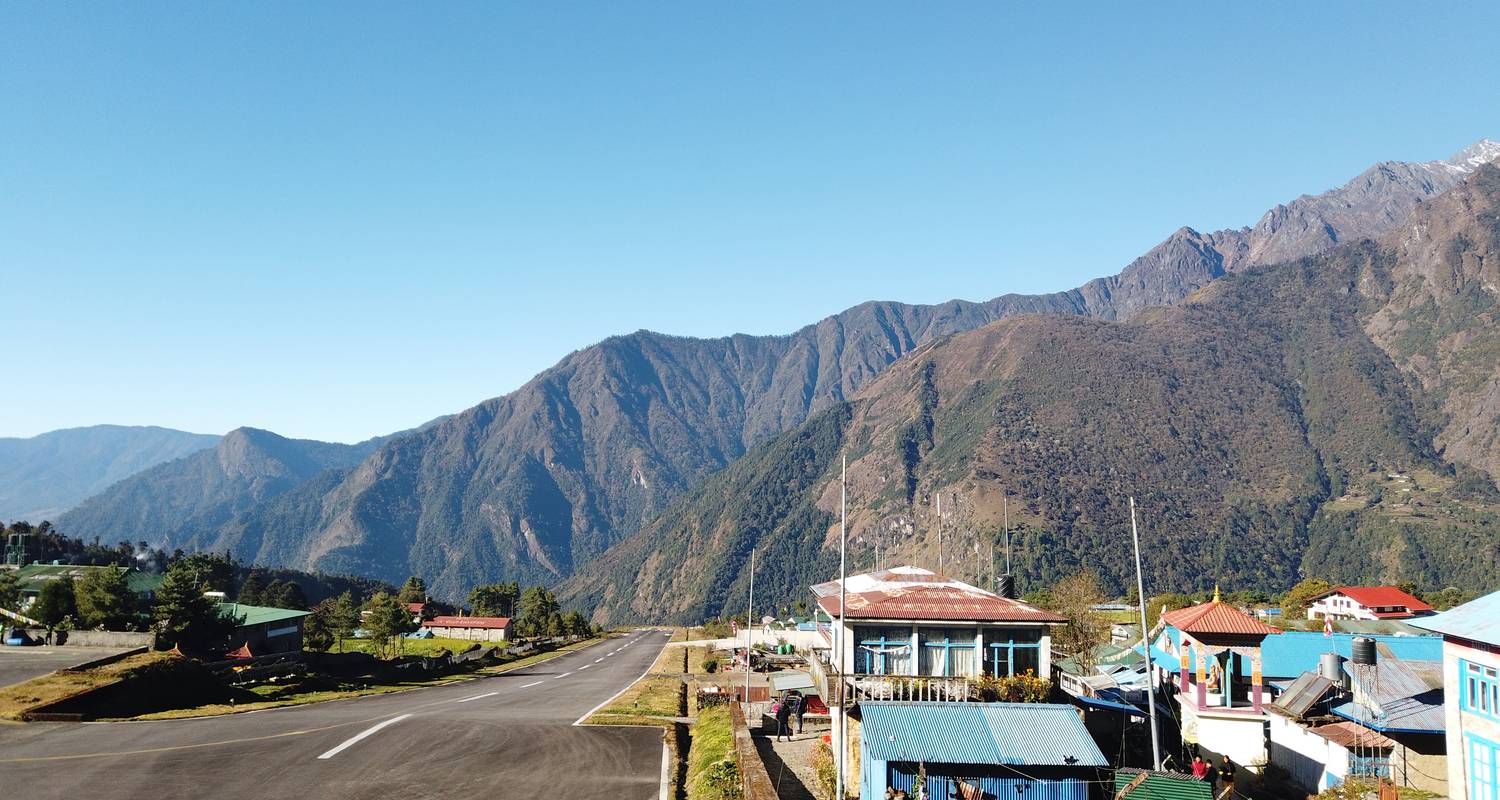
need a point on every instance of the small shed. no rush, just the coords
(264, 629)
(1034, 751)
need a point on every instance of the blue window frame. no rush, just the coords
(1484, 768)
(1012, 652)
(882, 651)
(1479, 690)
(949, 652)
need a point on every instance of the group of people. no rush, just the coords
(791, 704)
(1201, 770)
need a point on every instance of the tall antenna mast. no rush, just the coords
(749, 609)
(1005, 504)
(843, 631)
(940, 531)
(1140, 596)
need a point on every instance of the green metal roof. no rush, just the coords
(259, 615)
(1162, 785)
(33, 576)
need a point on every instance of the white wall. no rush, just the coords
(1460, 722)
(1307, 757)
(1240, 737)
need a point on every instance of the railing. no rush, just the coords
(908, 687)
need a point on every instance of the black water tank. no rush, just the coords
(1007, 586)
(1364, 650)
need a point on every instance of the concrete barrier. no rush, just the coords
(103, 639)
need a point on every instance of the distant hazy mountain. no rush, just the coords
(540, 482)
(180, 501)
(43, 476)
(1335, 416)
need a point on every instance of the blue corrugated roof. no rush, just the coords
(1291, 653)
(1019, 734)
(1477, 621)
(1105, 704)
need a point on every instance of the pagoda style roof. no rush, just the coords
(1217, 618)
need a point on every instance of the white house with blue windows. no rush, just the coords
(1471, 689)
(909, 622)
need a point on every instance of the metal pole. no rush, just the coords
(749, 609)
(940, 531)
(1140, 596)
(843, 581)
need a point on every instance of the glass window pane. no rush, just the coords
(1027, 658)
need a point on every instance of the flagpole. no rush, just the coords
(843, 581)
(749, 609)
(1140, 596)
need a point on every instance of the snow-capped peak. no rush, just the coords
(1470, 158)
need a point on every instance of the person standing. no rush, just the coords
(799, 707)
(783, 715)
(1200, 768)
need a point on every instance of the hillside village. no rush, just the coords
(931, 686)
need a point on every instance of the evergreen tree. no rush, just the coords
(184, 616)
(252, 590)
(344, 618)
(387, 621)
(213, 572)
(1295, 602)
(55, 603)
(321, 628)
(10, 591)
(413, 591)
(291, 596)
(104, 599)
(494, 600)
(539, 615)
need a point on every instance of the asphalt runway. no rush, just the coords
(20, 664)
(501, 736)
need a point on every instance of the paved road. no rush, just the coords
(18, 664)
(509, 735)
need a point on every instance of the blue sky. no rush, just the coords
(339, 221)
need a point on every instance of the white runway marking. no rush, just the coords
(335, 751)
(564, 675)
(529, 685)
(585, 666)
(478, 697)
(597, 660)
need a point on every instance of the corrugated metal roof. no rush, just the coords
(1396, 695)
(1017, 734)
(1216, 617)
(913, 593)
(259, 615)
(1477, 621)
(1352, 735)
(467, 622)
(1162, 785)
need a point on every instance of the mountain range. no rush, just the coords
(42, 476)
(612, 442)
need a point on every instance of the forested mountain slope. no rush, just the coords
(43, 476)
(1333, 415)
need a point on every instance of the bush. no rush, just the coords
(711, 664)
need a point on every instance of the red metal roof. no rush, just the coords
(1373, 596)
(937, 603)
(1216, 617)
(415, 608)
(468, 622)
(1352, 735)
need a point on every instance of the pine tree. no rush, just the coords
(184, 616)
(413, 591)
(104, 599)
(252, 590)
(10, 591)
(55, 603)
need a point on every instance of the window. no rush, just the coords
(1480, 689)
(1012, 652)
(882, 651)
(949, 652)
(1484, 769)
